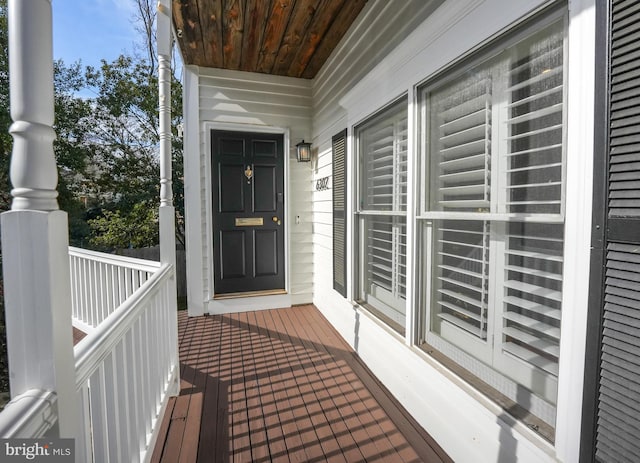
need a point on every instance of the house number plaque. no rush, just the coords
(249, 222)
(322, 184)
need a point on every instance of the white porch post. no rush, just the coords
(196, 304)
(167, 210)
(35, 233)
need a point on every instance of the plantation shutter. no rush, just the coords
(533, 294)
(382, 143)
(462, 148)
(387, 254)
(618, 402)
(338, 149)
(385, 163)
(535, 126)
(496, 134)
(463, 275)
(534, 252)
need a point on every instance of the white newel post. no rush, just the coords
(35, 233)
(167, 210)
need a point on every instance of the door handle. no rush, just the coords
(276, 219)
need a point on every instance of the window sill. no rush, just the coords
(516, 412)
(381, 319)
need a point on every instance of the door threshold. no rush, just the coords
(268, 292)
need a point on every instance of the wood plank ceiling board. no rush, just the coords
(211, 26)
(301, 17)
(281, 37)
(315, 34)
(276, 24)
(332, 37)
(255, 22)
(233, 27)
(185, 18)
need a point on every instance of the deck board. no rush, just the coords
(78, 335)
(281, 386)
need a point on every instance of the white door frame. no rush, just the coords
(241, 304)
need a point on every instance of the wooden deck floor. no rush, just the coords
(282, 386)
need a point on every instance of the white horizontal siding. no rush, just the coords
(380, 28)
(236, 99)
(392, 47)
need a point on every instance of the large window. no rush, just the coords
(492, 215)
(382, 186)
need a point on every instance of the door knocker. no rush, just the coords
(248, 173)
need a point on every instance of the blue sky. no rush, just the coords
(90, 30)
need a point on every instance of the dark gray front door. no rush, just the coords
(248, 211)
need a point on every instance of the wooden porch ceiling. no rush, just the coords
(281, 37)
(282, 386)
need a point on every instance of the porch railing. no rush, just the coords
(101, 282)
(126, 367)
(31, 414)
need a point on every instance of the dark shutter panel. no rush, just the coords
(339, 150)
(618, 394)
(624, 175)
(618, 425)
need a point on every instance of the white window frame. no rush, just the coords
(454, 32)
(390, 306)
(498, 220)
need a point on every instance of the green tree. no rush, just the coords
(72, 147)
(106, 150)
(5, 117)
(5, 150)
(126, 120)
(107, 147)
(137, 229)
(107, 144)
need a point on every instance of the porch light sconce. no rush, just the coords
(303, 151)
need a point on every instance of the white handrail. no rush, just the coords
(126, 369)
(114, 259)
(101, 282)
(93, 348)
(29, 415)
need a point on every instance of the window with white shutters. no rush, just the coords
(382, 181)
(493, 215)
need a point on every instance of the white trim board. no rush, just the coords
(192, 192)
(240, 304)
